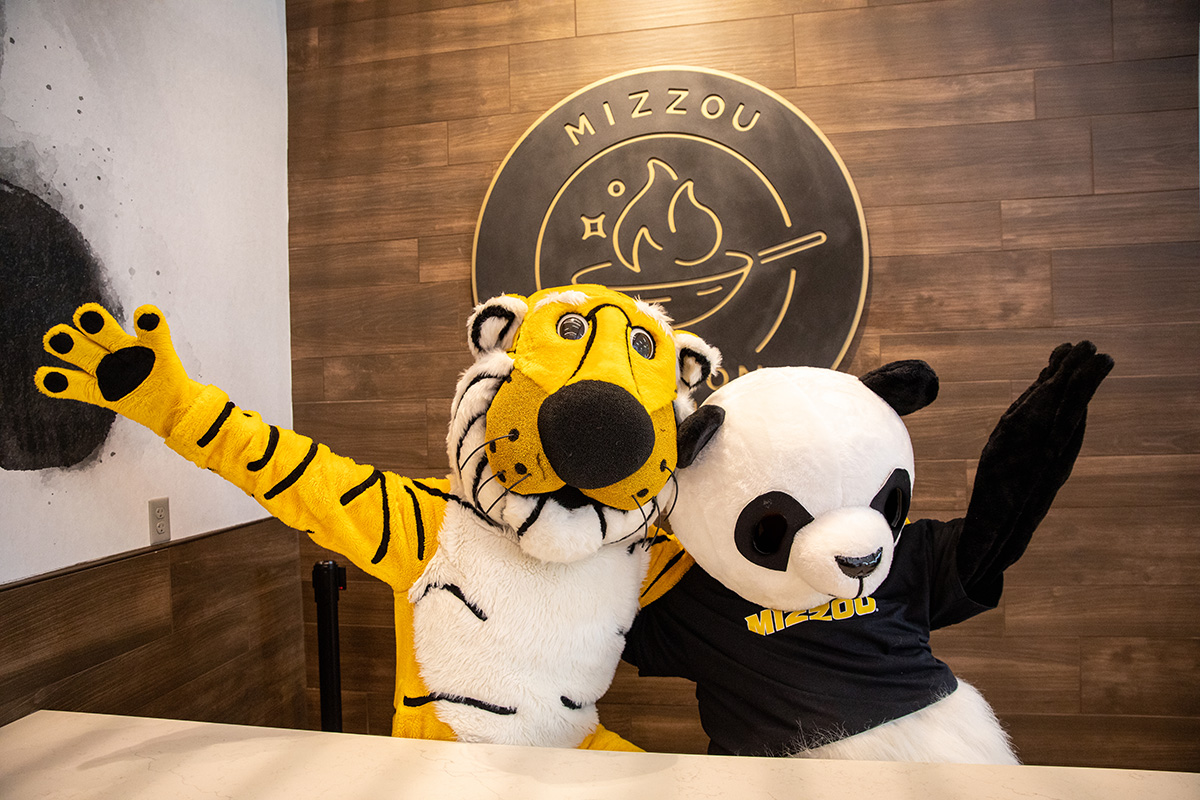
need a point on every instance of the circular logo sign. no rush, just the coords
(691, 188)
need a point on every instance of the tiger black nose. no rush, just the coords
(594, 433)
(859, 567)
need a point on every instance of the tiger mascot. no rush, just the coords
(517, 576)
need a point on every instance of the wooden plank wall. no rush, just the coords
(1029, 174)
(208, 629)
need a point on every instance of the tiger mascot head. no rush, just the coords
(563, 430)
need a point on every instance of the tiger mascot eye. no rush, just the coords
(517, 575)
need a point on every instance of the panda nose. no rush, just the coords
(594, 433)
(861, 566)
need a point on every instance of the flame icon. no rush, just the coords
(665, 229)
(646, 210)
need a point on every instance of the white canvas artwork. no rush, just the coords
(143, 159)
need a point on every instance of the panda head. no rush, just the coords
(796, 481)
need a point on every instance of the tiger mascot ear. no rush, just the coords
(492, 326)
(696, 361)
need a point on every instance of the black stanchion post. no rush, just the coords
(328, 578)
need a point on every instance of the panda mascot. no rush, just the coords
(805, 617)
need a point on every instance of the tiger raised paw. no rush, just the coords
(516, 576)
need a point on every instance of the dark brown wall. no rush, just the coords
(1029, 174)
(208, 629)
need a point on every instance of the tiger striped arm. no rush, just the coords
(382, 522)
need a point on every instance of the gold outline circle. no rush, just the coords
(837, 157)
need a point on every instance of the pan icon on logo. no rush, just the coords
(694, 189)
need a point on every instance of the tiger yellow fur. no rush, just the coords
(513, 587)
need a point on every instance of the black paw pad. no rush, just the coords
(55, 382)
(91, 322)
(121, 372)
(148, 322)
(61, 343)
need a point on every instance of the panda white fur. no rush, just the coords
(805, 622)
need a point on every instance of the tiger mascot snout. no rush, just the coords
(578, 444)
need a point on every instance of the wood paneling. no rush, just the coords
(1154, 28)
(1100, 220)
(487, 139)
(353, 264)
(1035, 675)
(402, 91)
(955, 37)
(941, 292)
(1028, 174)
(381, 319)
(463, 27)
(305, 13)
(1155, 611)
(446, 258)
(207, 628)
(1145, 152)
(339, 153)
(1120, 87)
(1141, 677)
(1139, 350)
(933, 228)
(1116, 742)
(1116, 547)
(1094, 286)
(386, 206)
(396, 376)
(918, 103)
(969, 162)
(610, 16)
(544, 73)
(383, 433)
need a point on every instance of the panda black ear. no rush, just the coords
(695, 432)
(906, 386)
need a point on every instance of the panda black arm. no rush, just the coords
(1026, 460)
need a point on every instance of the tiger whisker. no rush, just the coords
(645, 522)
(675, 498)
(471, 454)
(504, 494)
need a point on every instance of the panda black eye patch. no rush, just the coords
(893, 500)
(766, 527)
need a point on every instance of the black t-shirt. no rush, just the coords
(772, 682)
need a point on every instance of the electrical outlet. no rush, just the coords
(160, 520)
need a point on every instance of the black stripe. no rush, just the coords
(420, 523)
(675, 558)
(591, 315)
(704, 363)
(532, 518)
(412, 702)
(491, 312)
(294, 475)
(571, 704)
(206, 439)
(386, 537)
(483, 462)
(457, 592)
(483, 376)
(649, 542)
(362, 487)
(455, 498)
(458, 465)
(603, 525)
(272, 441)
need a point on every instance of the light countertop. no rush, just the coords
(54, 754)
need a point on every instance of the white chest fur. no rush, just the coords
(523, 648)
